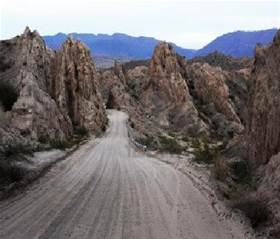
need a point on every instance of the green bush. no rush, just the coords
(8, 96)
(169, 144)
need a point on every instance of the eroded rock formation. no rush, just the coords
(264, 107)
(28, 71)
(167, 95)
(76, 87)
(263, 129)
(55, 91)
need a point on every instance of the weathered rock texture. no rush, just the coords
(114, 88)
(56, 91)
(264, 104)
(34, 114)
(173, 95)
(210, 86)
(263, 129)
(166, 94)
(76, 87)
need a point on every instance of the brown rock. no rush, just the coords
(264, 104)
(76, 87)
(165, 73)
(210, 86)
(35, 114)
(166, 95)
(54, 90)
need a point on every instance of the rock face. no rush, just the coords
(114, 88)
(167, 95)
(264, 106)
(55, 91)
(165, 73)
(34, 114)
(263, 129)
(76, 87)
(210, 86)
(227, 63)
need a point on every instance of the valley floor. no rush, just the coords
(109, 190)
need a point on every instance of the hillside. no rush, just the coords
(238, 44)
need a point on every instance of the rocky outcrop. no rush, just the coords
(114, 89)
(35, 114)
(227, 63)
(55, 91)
(264, 104)
(210, 86)
(76, 87)
(164, 71)
(166, 95)
(263, 128)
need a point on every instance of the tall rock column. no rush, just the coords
(264, 104)
(76, 87)
(167, 95)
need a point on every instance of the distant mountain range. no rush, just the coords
(238, 44)
(122, 46)
(117, 45)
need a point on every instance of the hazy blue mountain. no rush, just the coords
(115, 46)
(238, 44)
(122, 46)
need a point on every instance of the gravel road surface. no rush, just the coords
(108, 190)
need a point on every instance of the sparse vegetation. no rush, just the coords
(221, 169)
(60, 144)
(11, 157)
(241, 172)
(8, 95)
(254, 208)
(204, 152)
(148, 141)
(81, 131)
(170, 144)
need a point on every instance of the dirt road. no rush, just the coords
(107, 190)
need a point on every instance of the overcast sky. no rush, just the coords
(190, 24)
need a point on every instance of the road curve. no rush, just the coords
(108, 190)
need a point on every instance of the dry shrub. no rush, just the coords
(254, 208)
(221, 169)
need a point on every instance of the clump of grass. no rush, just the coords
(15, 151)
(170, 144)
(10, 157)
(81, 131)
(60, 144)
(11, 171)
(254, 208)
(204, 152)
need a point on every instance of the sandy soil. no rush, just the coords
(111, 191)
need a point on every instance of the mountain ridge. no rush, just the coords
(127, 47)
